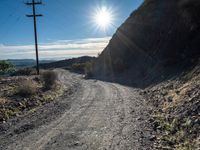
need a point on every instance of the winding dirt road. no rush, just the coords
(91, 115)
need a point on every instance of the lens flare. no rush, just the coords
(103, 18)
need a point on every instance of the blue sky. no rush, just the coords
(66, 30)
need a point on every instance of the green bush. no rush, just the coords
(25, 72)
(26, 89)
(5, 66)
(49, 78)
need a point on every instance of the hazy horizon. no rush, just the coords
(56, 50)
(51, 59)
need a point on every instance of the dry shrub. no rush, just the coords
(26, 89)
(89, 69)
(78, 67)
(49, 78)
(25, 72)
(3, 101)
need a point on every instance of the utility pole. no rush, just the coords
(34, 15)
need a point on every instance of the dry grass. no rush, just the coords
(175, 117)
(49, 78)
(26, 89)
(3, 101)
(20, 94)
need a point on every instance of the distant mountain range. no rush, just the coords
(50, 64)
(23, 63)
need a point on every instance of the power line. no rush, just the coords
(34, 15)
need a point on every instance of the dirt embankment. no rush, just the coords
(176, 118)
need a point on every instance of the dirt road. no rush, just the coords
(91, 115)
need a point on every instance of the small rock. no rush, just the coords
(152, 138)
(170, 99)
(151, 120)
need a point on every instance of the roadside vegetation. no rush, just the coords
(6, 67)
(25, 72)
(86, 68)
(175, 119)
(22, 93)
(49, 79)
(27, 88)
(21, 90)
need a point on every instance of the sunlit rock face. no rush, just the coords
(157, 38)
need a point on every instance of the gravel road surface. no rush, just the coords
(91, 115)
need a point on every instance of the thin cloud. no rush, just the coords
(61, 48)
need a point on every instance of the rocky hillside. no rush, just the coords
(176, 114)
(158, 50)
(159, 39)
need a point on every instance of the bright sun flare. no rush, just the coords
(103, 18)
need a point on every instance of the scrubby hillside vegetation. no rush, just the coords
(5, 67)
(26, 92)
(158, 40)
(176, 114)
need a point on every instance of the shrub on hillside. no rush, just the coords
(86, 68)
(25, 72)
(78, 67)
(89, 69)
(6, 67)
(49, 78)
(26, 89)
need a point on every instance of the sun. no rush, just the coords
(103, 18)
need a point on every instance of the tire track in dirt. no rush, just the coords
(102, 116)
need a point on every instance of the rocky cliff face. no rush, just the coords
(159, 38)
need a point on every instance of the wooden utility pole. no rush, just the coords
(34, 15)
